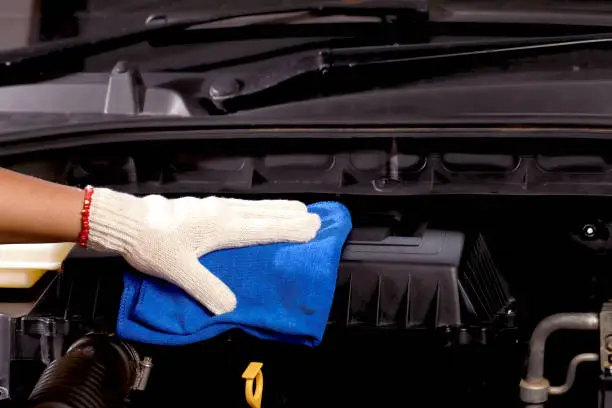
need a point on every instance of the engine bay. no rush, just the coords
(470, 145)
(438, 298)
(455, 296)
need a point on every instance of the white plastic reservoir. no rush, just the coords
(22, 265)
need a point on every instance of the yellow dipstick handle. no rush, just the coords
(253, 374)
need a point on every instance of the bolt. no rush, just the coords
(589, 231)
(224, 88)
(510, 317)
(156, 19)
(121, 67)
(464, 336)
(609, 343)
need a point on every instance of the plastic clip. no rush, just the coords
(254, 380)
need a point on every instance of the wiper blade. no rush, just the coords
(160, 25)
(57, 58)
(163, 27)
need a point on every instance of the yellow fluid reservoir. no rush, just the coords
(22, 265)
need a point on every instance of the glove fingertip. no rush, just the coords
(206, 288)
(297, 206)
(315, 219)
(222, 304)
(310, 227)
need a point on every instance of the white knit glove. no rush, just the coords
(164, 238)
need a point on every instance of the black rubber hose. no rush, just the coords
(96, 372)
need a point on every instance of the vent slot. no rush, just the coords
(106, 170)
(480, 162)
(572, 164)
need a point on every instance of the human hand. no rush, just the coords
(165, 237)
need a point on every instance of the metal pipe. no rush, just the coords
(571, 373)
(537, 344)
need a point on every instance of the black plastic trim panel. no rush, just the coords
(368, 166)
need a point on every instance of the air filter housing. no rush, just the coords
(431, 281)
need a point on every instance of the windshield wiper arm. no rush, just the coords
(47, 60)
(157, 26)
(326, 62)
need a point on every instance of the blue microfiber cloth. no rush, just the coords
(284, 291)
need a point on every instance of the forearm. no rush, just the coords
(34, 210)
